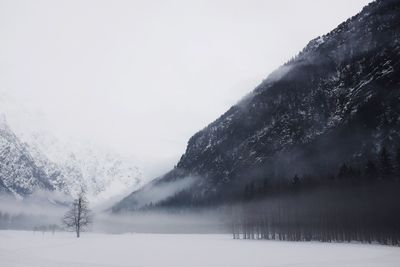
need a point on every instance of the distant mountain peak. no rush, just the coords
(36, 160)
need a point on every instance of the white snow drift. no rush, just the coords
(18, 249)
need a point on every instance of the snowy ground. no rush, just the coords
(19, 248)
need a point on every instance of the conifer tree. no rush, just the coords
(386, 167)
(371, 172)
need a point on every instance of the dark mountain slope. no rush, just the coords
(337, 101)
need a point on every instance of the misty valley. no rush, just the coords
(302, 170)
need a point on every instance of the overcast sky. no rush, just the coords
(141, 77)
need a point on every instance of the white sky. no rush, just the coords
(141, 77)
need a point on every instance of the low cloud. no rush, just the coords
(156, 192)
(39, 203)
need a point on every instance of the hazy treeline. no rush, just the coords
(39, 209)
(357, 204)
(24, 221)
(47, 228)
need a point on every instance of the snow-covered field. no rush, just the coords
(21, 248)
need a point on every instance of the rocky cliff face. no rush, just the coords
(19, 174)
(32, 161)
(73, 165)
(338, 100)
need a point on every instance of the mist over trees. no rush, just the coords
(359, 203)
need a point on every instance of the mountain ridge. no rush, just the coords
(42, 162)
(336, 101)
(19, 173)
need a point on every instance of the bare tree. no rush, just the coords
(79, 217)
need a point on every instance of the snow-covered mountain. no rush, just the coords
(32, 158)
(72, 165)
(19, 173)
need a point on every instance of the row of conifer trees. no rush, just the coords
(354, 205)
